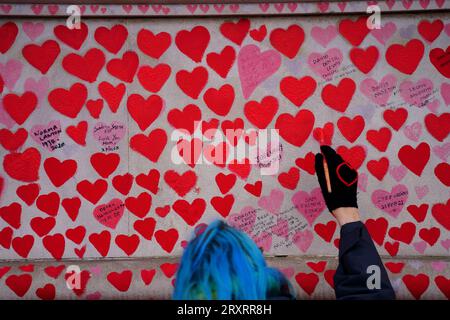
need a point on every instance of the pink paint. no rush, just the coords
(53, 9)
(438, 266)
(325, 64)
(281, 229)
(94, 296)
(384, 33)
(47, 135)
(37, 8)
(33, 30)
(288, 272)
(96, 270)
(362, 181)
(413, 131)
(420, 246)
(442, 151)
(255, 67)
(263, 240)
(390, 4)
(424, 3)
(244, 220)
(398, 172)
(445, 90)
(303, 239)
(6, 8)
(272, 202)
(391, 202)
(416, 93)
(421, 191)
(109, 135)
(109, 214)
(264, 6)
(433, 106)
(219, 7)
(234, 7)
(379, 92)
(10, 72)
(324, 36)
(309, 205)
(5, 118)
(446, 244)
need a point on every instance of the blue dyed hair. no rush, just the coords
(224, 263)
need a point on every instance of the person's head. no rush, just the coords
(224, 263)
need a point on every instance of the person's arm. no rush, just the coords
(358, 257)
(360, 274)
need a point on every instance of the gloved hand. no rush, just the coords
(343, 180)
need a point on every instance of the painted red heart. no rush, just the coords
(59, 171)
(438, 125)
(123, 183)
(153, 45)
(77, 65)
(220, 100)
(405, 233)
(186, 119)
(105, 163)
(111, 39)
(295, 129)
(339, 97)
(326, 231)
(55, 244)
(255, 188)
(145, 227)
(440, 213)
(74, 38)
(139, 205)
(47, 292)
(144, 111)
(289, 180)
(225, 182)
(377, 229)
(354, 31)
(147, 276)
(288, 41)
(364, 59)
(193, 43)
(192, 83)
(430, 236)
(68, 102)
(42, 226)
(154, 78)
(241, 168)
(28, 193)
(12, 214)
(23, 166)
(78, 132)
(223, 205)
(355, 155)
(8, 34)
(20, 107)
(378, 168)
(125, 68)
(439, 58)
(112, 94)
(49, 203)
(128, 244)
(23, 245)
(167, 239)
(150, 146)
(351, 128)
(180, 183)
(76, 234)
(42, 56)
(149, 181)
(442, 172)
(415, 159)
(92, 192)
(443, 284)
(19, 284)
(101, 242)
(405, 58)
(298, 90)
(307, 163)
(307, 281)
(430, 31)
(72, 207)
(190, 212)
(223, 61)
(261, 113)
(416, 284)
(395, 118)
(379, 138)
(235, 31)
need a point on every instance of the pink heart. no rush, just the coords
(143, 7)
(391, 202)
(445, 91)
(40, 87)
(420, 246)
(446, 244)
(418, 93)
(96, 270)
(6, 8)
(263, 240)
(325, 64)
(288, 272)
(379, 92)
(385, 32)
(191, 7)
(440, 3)
(127, 8)
(390, 4)
(94, 8)
(156, 7)
(421, 191)
(109, 214)
(447, 29)
(244, 220)
(424, 3)
(264, 6)
(33, 30)
(53, 8)
(10, 72)
(234, 7)
(303, 239)
(279, 6)
(292, 6)
(281, 229)
(433, 106)
(309, 205)
(407, 3)
(166, 10)
(323, 6)
(109, 135)
(442, 151)
(272, 202)
(324, 36)
(219, 7)
(255, 67)
(413, 131)
(82, 9)
(37, 8)
(47, 135)
(204, 8)
(342, 6)
(439, 266)
(362, 181)
(398, 172)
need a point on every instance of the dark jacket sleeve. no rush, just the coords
(356, 253)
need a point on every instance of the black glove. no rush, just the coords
(343, 180)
